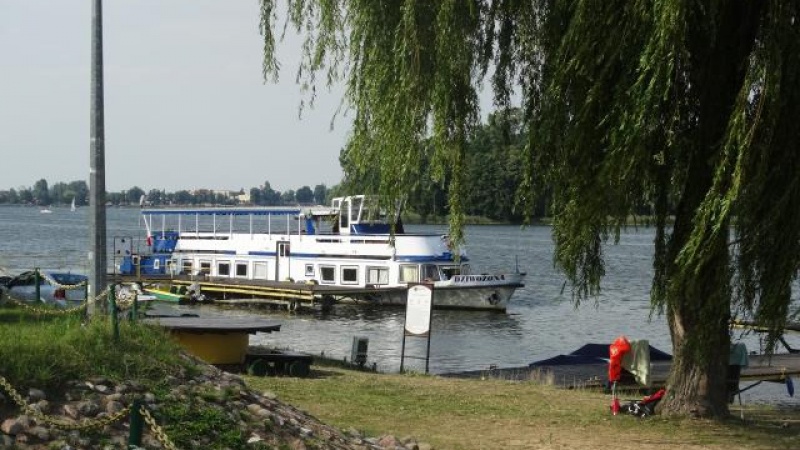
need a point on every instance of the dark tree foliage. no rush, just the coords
(690, 107)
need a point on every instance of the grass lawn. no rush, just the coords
(496, 414)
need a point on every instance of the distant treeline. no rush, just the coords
(43, 194)
(494, 168)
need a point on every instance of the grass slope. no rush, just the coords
(497, 414)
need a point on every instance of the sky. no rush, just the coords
(186, 106)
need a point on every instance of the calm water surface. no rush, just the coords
(541, 321)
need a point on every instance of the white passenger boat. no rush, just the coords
(348, 245)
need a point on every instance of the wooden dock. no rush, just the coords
(288, 294)
(761, 368)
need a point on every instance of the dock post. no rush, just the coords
(136, 424)
(112, 303)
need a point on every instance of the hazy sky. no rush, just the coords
(185, 103)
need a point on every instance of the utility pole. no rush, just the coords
(97, 174)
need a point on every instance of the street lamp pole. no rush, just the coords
(97, 177)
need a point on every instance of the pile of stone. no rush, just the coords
(266, 421)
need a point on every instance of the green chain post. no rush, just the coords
(37, 278)
(136, 424)
(112, 302)
(135, 308)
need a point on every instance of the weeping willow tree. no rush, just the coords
(690, 107)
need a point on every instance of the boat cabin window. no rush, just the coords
(350, 275)
(310, 270)
(156, 264)
(283, 249)
(327, 274)
(430, 272)
(355, 208)
(377, 275)
(409, 273)
(260, 270)
(344, 217)
(223, 268)
(186, 266)
(241, 269)
(205, 267)
(449, 272)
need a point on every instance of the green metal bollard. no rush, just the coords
(37, 278)
(136, 424)
(135, 308)
(112, 302)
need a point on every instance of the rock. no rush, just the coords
(34, 395)
(115, 397)
(354, 432)
(43, 406)
(41, 433)
(298, 444)
(149, 397)
(21, 439)
(409, 443)
(389, 441)
(11, 427)
(25, 421)
(6, 441)
(71, 412)
(114, 407)
(102, 388)
(88, 408)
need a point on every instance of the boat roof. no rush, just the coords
(235, 211)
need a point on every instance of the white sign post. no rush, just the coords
(419, 307)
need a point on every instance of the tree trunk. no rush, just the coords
(698, 287)
(699, 317)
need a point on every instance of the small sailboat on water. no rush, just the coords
(72, 207)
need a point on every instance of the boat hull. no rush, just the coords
(490, 297)
(166, 296)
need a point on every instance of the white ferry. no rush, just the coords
(347, 245)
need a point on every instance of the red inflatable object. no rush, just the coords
(616, 351)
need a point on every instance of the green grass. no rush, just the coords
(499, 414)
(45, 351)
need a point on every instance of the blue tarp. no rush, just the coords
(593, 354)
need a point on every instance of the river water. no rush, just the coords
(541, 320)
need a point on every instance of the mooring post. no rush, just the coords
(136, 424)
(112, 303)
(37, 279)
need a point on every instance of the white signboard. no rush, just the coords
(418, 309)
